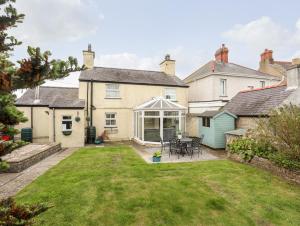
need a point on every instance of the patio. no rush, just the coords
(147, 152)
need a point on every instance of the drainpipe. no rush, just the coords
(31, 117)
(87, 101)
(91, 102)
(53, 114)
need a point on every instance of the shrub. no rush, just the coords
(247, 148)
(157, 154)
(9, 146)
(282, 131)
(14, 214)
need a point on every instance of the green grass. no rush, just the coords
(114, 186)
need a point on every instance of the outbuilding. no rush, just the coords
(213, 125)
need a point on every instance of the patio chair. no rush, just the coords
(196, 143)
(175, 147)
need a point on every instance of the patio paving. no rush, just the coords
(207, 154)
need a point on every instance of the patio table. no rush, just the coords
(185, 140)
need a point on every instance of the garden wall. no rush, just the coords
(293, 176)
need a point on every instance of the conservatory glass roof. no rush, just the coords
(160, 103)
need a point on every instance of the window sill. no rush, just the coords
(113, 98)
(223, 96)
(110, 127)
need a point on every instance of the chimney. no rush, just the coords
(168, 65)
(221, 54)
(267, 57)
(293, 77)
(88, 57)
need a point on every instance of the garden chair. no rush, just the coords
(175, 147)
(196, 144)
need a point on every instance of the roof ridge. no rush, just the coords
(129, 69)
(282, 61)
(252, 69)
(60, 87)
(259, 89)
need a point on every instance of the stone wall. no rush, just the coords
(293, 176)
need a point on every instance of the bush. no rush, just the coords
(9, 146)
(276, 138)
(282, 131)
(14, 214)
(247, 148)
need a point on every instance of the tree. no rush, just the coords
(28, 73)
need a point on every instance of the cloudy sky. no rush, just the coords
(138, 33)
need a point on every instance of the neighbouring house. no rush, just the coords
(216, 82)
(268, 65)
(126, 103)
(248, 106)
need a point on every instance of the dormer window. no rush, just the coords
(112, 90)
(170, 94)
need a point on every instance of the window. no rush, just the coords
(110, 120)
(170, 94)
(262, 84)
(66, 123)
(223, 87)
(112, 91)
(206, 122)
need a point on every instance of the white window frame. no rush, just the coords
(262, 84)
(170, 94)
(63, 125)
(112, 90)
(110, 119)
(223, 87)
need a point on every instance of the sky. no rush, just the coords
(138, 33)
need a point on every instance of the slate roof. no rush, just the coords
(53, 97)
(257, 102)
(208, 114)
(130, 76)
(218, 67)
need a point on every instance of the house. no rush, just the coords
(125, 103)
(216, 82)
(249, 105)
(268, 65)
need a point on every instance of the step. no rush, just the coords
(28, 155)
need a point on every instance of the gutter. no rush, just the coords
(87, 99)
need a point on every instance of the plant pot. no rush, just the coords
(67, 133)
(156, 159)
(179, 136)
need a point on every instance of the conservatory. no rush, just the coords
(158, 118)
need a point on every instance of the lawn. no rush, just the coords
(114, 186)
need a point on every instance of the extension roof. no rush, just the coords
(52, 97)
(258, 102)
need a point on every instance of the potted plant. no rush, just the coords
(156, 156)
